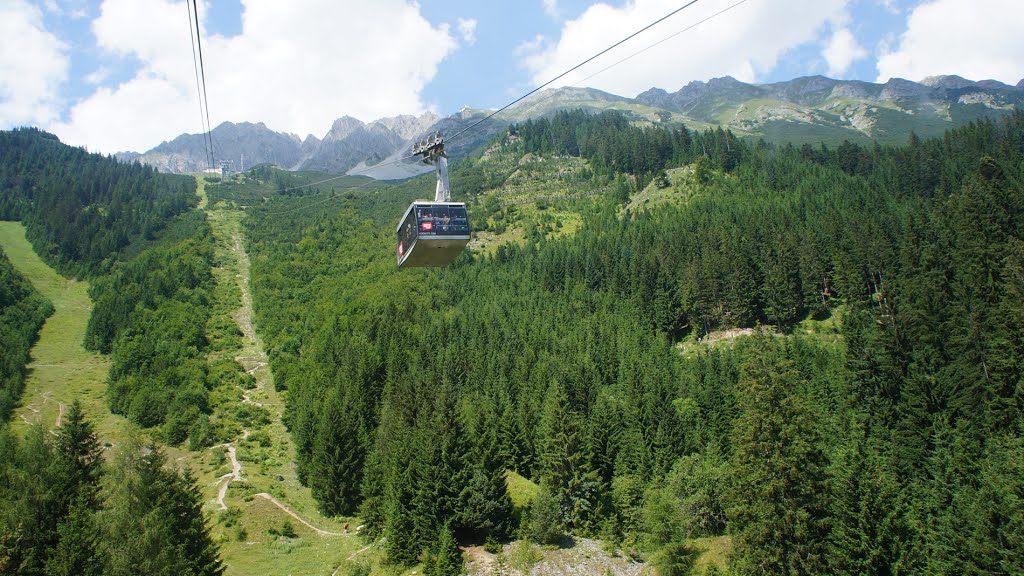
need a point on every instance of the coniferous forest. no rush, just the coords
(65, 510)
(81, 210)
(868, 420)
(22, 312)
(130, 231)
(890, 445)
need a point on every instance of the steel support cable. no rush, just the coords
(195, 65)
(202, 72)
(528, 94)
(638, 52)
(573, 69)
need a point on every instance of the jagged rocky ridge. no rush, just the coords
(807, 109)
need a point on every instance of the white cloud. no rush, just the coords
(73, 9)
(841, 52)
(297, 68)
(467, 29)
(33, 65)
(530, 47)
(745, 42)
(889, 6)
(977, 39)
(98, 76)
(551, 9)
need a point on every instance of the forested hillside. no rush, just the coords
(128, 229)
(562, 381)
(65, 510)
(82, 210)
(151, 316)
(131, 232)
(893, 445)
(22, 313)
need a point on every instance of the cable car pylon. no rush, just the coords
(432, 151)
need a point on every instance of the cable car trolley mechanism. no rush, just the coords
(433, 233)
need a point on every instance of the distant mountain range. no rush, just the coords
(811, 109)
(348, 143)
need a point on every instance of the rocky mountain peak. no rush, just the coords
(660, 93)
(730, 88)
(806, 90)
(855, 89)
(408, 126)
(725, 82)
(948, 82)
(309, 146)
(900, 88)
(342, 127)
(993, 85)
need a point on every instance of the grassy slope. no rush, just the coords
(260, 551)
(536, 192)
(61, 369)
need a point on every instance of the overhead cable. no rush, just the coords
(574, 68)
(638, 52)
(199, 92)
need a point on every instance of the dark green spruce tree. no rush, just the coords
(778, 515)
(154, 523)
(444, 558)
(484, 505)
(337, 470)
(871, 533)
(564, 464)
(79, 551)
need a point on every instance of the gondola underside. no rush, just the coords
(433, 251)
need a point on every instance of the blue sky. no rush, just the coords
(118, 74)
(501, 27)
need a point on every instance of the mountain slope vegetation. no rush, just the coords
(130, 231)
(22, 313)
(83, 211)
(547, 387)
(556, 358)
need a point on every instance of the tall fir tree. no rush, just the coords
(871, 534)
(564, 465)
(444, 558)
(337, 460)
(155, 523)
(779, 491)
(994, 536)
(79, 457)
(79, 552)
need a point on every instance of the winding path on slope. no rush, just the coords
(260, 479)
(234, 475)
(291, 513)
(227, 228)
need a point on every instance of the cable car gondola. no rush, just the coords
(432, 233)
